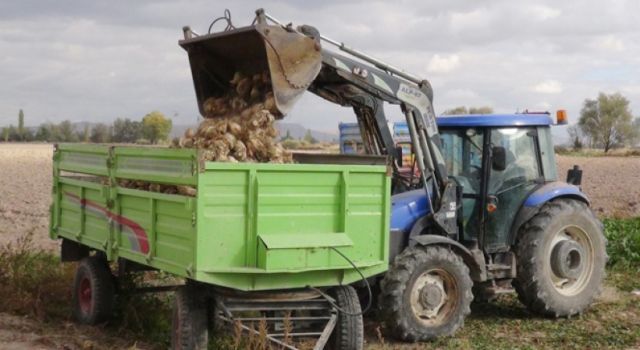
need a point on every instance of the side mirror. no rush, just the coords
(574, 176)
(499, 158)
(399, 154)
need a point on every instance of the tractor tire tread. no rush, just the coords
(528, 284)
(394, 284)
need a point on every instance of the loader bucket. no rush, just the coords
(292, 60)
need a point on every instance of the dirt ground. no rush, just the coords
(25, 191)
(612, 183)
(22, 333)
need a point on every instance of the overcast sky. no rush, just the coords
(98, 60)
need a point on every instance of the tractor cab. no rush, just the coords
(497, 161)
(504, 167)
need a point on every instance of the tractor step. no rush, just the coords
(489, 291)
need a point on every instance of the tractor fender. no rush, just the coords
(475, 262)
(538, 197)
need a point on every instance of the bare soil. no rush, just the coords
(612, 183)
(25, 192)
(20, 333)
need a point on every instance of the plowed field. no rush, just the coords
(612, 183)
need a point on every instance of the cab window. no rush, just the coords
(521, 158)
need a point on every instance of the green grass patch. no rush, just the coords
(507, 324)
(624, 242)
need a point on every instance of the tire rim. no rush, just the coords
(85, 295)
(577, 257)
(434, 297)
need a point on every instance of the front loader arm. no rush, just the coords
(349, 82)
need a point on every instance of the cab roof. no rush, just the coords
(479, 120)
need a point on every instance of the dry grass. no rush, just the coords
(35, 305)
(33, 282)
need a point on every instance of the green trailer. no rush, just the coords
(283, 232)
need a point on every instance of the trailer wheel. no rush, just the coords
(189, 323)
(349, 331)
(93, 291)
(426, 293)
(561, 255)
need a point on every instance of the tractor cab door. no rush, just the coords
(507, 188)
(462, 150)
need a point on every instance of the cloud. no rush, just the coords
(542, 12)
(548, 87)
(443, 64)
(98, 60)
(608, 43)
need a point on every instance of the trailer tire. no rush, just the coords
(349, 331)
(189, 323)
(561, 256)
(93, 291)
(426, 293)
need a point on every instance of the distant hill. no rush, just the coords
(296, 131)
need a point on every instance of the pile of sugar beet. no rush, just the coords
(238, 127)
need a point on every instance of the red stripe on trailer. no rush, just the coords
(138, 231)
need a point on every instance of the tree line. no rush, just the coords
(152, 128)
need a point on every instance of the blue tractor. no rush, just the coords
(519, 226)
(487, 211)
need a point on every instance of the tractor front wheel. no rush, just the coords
(426, 293)
(561, 255)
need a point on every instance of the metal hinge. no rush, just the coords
(193, 219)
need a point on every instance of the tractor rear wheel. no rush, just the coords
(561, 255)
(190, 319)
(426, 293)
(349, 331)
(93, 291)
